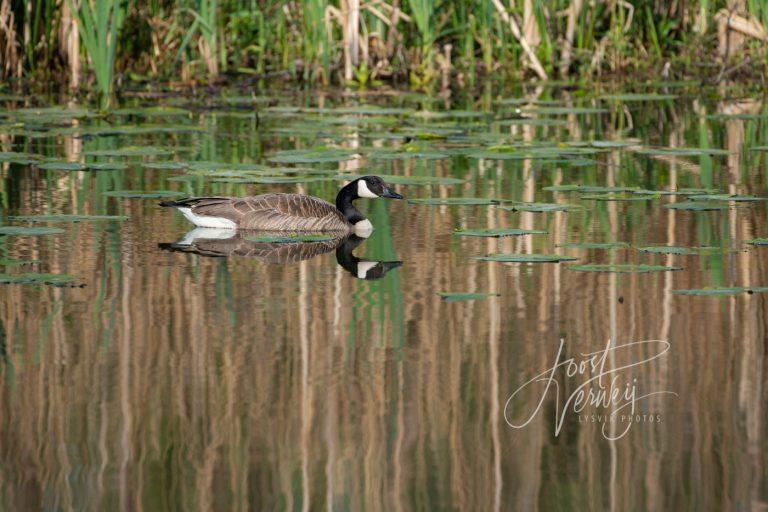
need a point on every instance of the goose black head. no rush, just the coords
(373, 186)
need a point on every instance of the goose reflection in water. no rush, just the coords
(214, 242)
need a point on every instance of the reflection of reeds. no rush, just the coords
(173, 381)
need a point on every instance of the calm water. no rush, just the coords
(227, 376)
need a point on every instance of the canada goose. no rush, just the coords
(227, 242)
(286, 212)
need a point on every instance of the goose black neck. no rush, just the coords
(344, 203)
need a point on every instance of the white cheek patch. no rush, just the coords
(364, 191)
(363, 267)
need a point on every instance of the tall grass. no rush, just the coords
(345, 41)
(100, 22)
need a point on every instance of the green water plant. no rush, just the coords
(100, 22)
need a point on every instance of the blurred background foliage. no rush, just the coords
(429, 44)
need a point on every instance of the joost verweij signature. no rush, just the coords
(606, 387)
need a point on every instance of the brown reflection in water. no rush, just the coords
(176, 381)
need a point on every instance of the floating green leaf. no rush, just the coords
(533, 121)
(306, 156)
(164, 165)
(28, 231)
(543, 110)
(621, 268)
(682, 151)
(758, 241)
(498, 232)
(540, 207)
(679, 192)
(726, 197)
(462, 296)
(669, 249)
(719, 291)
(130, 151)
(5, 262)
(19, 158)
(595, 245)
(588, 189)
(616, 197)
(143, 194)
(68, 218)
(526, 258)
(697, 206)
(463, 201)
(62, 166)
(626, 97)
(32, 278)
(406, 180)
(106, 166)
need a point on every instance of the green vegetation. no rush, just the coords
(430, 44)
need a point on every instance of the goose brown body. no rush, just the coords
(272, 212)
(287, 212)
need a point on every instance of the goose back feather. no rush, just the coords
(271, 212)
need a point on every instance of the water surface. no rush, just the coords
(159, 379)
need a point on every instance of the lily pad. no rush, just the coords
(32, 278)
(143, 194)
(526, 258)
(533, 121)
(406, 180)
(130, 151)
(462, 296)
(625, 97)
(697, 206)
(15, 157)
(719, 291)
(621, 268)
(62, 166)
(28, 231)
(612, 143)
(595, 245)
(514, 152)
(6, 262)
(564, 110)
(758, 241)
(679, 192)
(498, 232)
(307, 156)
(669, 249)
(286, 239)
(616, 197)
(464, 201)
(68, 218)
(726, 197)
(407, 153)
(164, 165)
(540, 207)
(106, 166)
(587, 189)
(682, 151)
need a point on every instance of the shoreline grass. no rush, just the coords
(429, 44)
